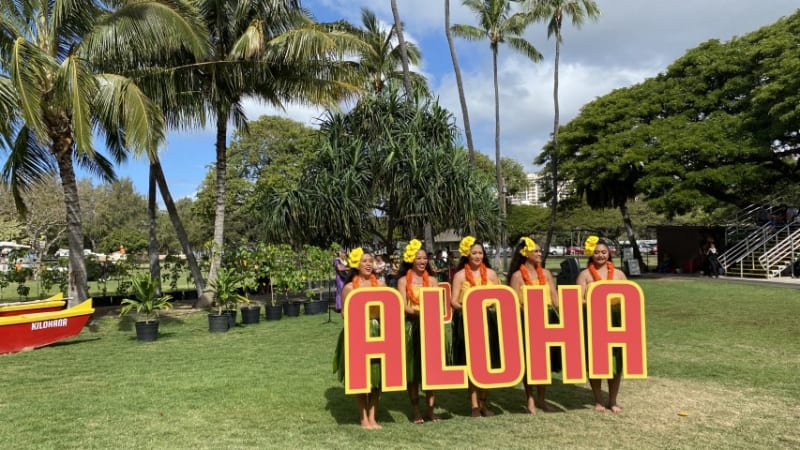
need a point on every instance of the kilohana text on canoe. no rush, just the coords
(55, 323)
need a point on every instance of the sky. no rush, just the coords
(633, 40)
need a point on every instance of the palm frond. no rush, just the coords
(526, 48)
(468, 32)
(75, 86)
(27, 163)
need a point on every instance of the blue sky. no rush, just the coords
(633, 40)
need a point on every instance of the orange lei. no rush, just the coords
(596, 274)
(372, 281)
(471, 279)
(410, 289)
(526, 276)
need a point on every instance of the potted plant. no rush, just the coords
(317, 267)
(286, 276)
(247, 266)
(147, 305)
(226, 296)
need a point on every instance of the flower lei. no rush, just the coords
(411, 250)
(589, 245)
(465, 245)
(471, 279)
(355, 257)
(529, 246)
(526, 276)
(410, 289)
(372, 281)
(596, 274)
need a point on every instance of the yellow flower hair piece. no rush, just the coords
(530, 246)
(465, 245)
(411, 250)
(589, 245)
(355, 257)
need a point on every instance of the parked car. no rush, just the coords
(574, 250)
(557, 250)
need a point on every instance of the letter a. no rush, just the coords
(388, 346)
(629, 334)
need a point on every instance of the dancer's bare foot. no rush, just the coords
(531, 408)
(476, 412)
(598, 407)
(486, 412)
(376, 426)
(432, 417)
(417, 417)
(366, 424)
(615, 409)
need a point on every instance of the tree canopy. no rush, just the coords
(720, 126)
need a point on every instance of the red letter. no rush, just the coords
(448, 308)
(476, 334)
(630, 334)
(435, 374)
(567, 334)
(360, 347)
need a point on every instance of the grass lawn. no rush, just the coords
(727, 354)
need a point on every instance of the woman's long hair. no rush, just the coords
(465, 259)
(517, 260)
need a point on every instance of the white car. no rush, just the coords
(557, 250)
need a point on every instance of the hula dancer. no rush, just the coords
(361, 275)
(473, 270)
(414, 274)
(526, 270)
(601, 268)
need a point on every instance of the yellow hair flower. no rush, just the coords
(465, 245)
(530, 246)
(355, 257)
(412, 248)
(589, 245)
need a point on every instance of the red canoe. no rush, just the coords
(33, 330)
(54, 303)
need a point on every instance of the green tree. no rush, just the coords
(554, 12)
(388, 166)
(54, 98)
(516, 180)
(498, 25)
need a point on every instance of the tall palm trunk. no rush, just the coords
(628, 223)
(152, 248)
(460, 84)
(78, 287)
(191, 261)
(219, 214)
(554, 156)
(398, 26)
(501, 198)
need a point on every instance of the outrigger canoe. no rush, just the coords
(54, 303)
(34, 330)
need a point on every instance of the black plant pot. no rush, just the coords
(250, 314)
(316, 307)
(273, 312)
(218, 323)
(231, 313)
(291, 309)
(147, 331)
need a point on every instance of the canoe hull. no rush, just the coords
(54, 303)
(34, 330)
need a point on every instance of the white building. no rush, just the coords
(533, 195)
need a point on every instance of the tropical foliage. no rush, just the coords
(146, 301)
(55, 98)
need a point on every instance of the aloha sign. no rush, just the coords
(581, 345)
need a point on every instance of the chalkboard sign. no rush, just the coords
(633, 267)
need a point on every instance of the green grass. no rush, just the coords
(727, 354)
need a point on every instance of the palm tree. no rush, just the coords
(498, 25)
(554, 11)
(54, 97)
(459, 83)
(379, 58)
(401, 40)
(268, 49)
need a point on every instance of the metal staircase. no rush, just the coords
(763, 253)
